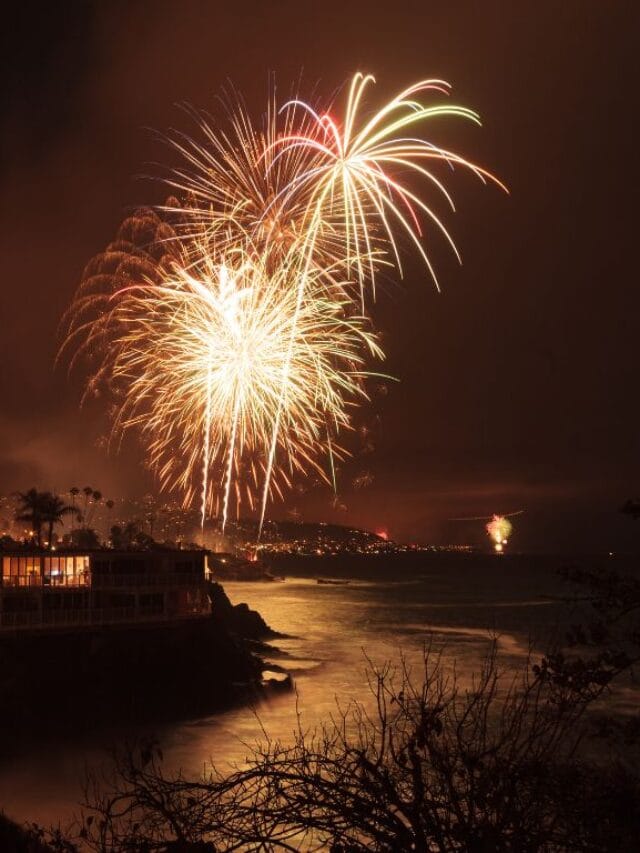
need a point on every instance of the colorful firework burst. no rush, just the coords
(230, 324)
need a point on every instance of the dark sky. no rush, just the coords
(519, 382)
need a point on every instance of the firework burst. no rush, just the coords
(354, 175)
(230, 325)
(499, 529)
(212, 352)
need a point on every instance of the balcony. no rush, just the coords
(147, 581)
(34, 581)
(103, 581)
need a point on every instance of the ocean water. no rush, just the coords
(456, 604)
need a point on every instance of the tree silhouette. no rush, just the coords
(96, 497)
(40, 508)
(55, 510)
(74, 491)
(85, 537)
(433, 765)
(32, 507)
(130, 532)
(88, 492)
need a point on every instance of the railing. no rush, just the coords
(104, 581)
(100, 581)
(35, 581)
(108, 616)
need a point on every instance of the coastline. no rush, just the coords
(328, 626)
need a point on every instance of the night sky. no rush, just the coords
(519, 382)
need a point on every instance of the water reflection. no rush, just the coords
(330, 628)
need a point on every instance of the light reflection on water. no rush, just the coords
(330, 628)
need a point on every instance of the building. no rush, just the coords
(47, 590)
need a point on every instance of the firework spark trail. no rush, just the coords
(206, 450)
(350, 178)
(231, 456)
(286, 367)
(227, 322)
(202, 351)
(230, 184)
(348, 167)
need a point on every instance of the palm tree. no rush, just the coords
(109, 505)
(149, 504)
(55, 510)
(32, 509)
(88, 491)
(96, 497)
(130, 531)
(74, 491)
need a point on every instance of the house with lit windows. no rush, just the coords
(45, 590)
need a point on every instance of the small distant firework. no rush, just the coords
(362, 480)
(498, 527)
(230, 325)
(499, 530)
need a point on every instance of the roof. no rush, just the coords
(90, 552)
